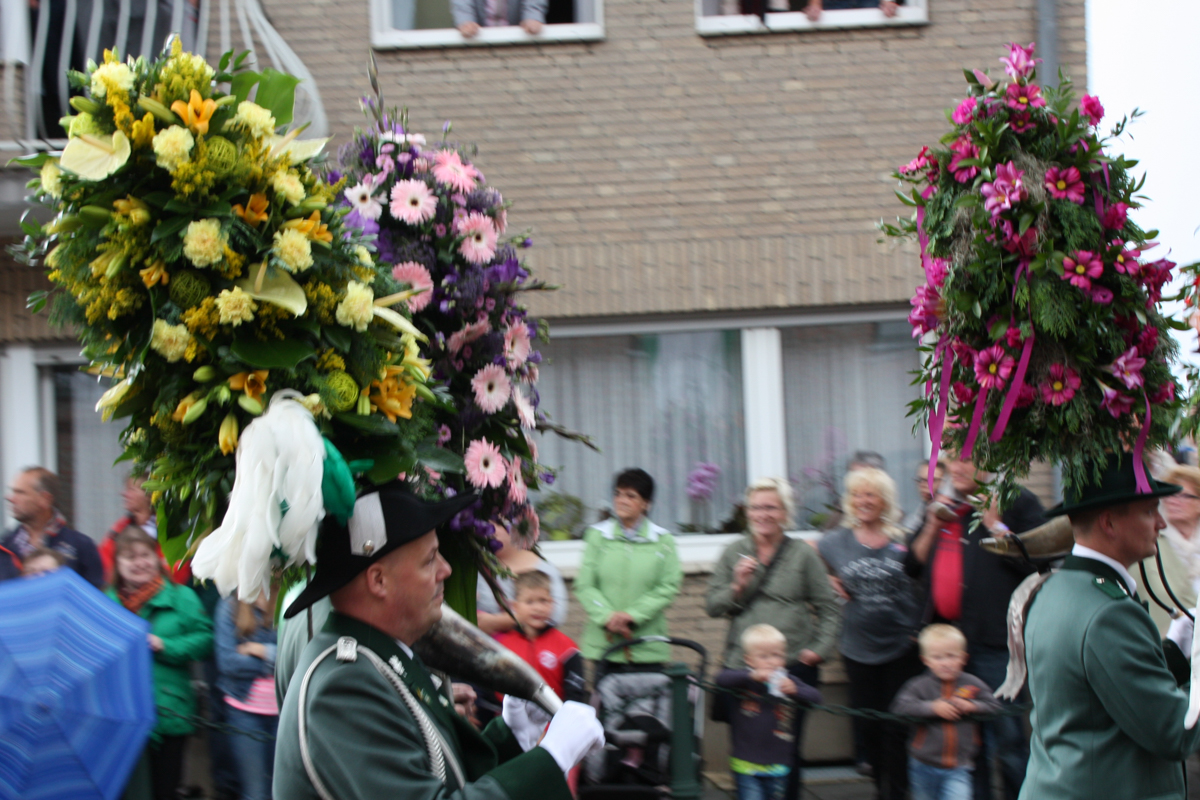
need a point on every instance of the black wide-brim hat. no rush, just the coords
(384, 519)
(1118, 485)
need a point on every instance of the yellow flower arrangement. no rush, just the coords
(51, 178)
(111, 77)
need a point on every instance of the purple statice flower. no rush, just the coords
(483, 199)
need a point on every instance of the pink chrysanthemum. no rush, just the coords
(479, 238)
(1061, 385)
(524, 408)
(1065, 184)
(492, 388)
(963, 149)
(993, 366)
(448, 168)
(1020, 61)
(1023, 98)
(1114, 402)
(1002, 193)
(413, 202)
(1081, 269)
(1128, 368)
(485, 465)
(516, 482)
(362, 197)
(1092, 109)
(417, 277)
(965, 111)
(516, 344)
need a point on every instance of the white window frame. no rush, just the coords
(386, 37)
(913, 12)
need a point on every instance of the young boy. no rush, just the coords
(762, 727)
(942, 750)
(548, 650)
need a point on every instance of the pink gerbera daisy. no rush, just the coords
(448, 168)
(485, 465)
(479, 238)
(993, 366)
(417, 277)
(524, 408)
(1065, 184)
(516, 481)
(1061, 386)
(413, 202)
(516, 344)
(492, 388)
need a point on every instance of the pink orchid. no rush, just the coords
(1081, 269)
(1114, 216)
(1128, 368)
(1023, 98)
(965, 111)
(936, 271)
(1061, 386)
(1021, 121)
(1091, 107)
(927, 310)
(1114, 402)
(1020, 61)
(1065, 184)
(1126, 261)
(993, 366)
(1006, 190)
(983, 78)
(962, 149)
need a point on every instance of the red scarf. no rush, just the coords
(946, 581)
(134, 599)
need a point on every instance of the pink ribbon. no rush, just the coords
(1139, 469)
(976, 423)
(937, 424)
(1014, 390)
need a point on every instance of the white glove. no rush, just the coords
(574, 732)
(526, 720)
(1180, 632)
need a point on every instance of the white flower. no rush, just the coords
(402, 138)
(288, 184)
(362, 197)
(114, 75)
(357, 310)
(173, 147)
(254, 118)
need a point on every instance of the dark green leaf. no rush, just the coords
(441, 459)
(37, 301)
(30, 225)
(1026, 221)
(271, 355)
(372, 424)
(338, 337)
(179, 206)
(386, 468)
(158, 199)
(170, 227)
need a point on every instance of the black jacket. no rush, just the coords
(988, 579)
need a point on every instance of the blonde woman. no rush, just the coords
(880, 617)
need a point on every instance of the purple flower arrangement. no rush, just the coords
(1039, 314)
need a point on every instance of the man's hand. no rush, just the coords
(945, 709)
(531, 26)
(620, 624)
(526, 720)
(574, 732)
(464, 701)
(788, 686)
(469, 29)
(964, 705)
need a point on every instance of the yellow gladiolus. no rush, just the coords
(227, 437)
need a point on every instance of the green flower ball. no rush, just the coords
(220, 154)
(189, 288)
(342, 391)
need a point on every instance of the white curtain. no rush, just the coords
(664, 403)
(95, 482)
(847, 388)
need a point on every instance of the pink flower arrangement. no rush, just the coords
(1091, 108)
(1115, 215)
(1002, 193)
(418, 278)
(1024, 97)
(964, 148)
(1061, 385)
(1128, 368)
(1114, 402)
(993, 366)
(492, 388)
(1020, 63)
(449, 169)
(413, 202)
(965, 111)
(1065, 184)
(485, 466)
(479, 238)
(1126, 261)
(1082, 269)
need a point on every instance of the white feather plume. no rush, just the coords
(280, 460)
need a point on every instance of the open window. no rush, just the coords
(407, 24)
(727, 17)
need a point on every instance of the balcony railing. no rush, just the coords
(41, 39)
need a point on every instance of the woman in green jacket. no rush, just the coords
(629, 575)
(180, 633)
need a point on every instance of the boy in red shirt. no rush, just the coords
(548, 650)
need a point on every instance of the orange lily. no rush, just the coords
(155, 273)
(196, 112)
(184, 406)
(254, 384)
(255, 210)
(311, 227)
(393, 398)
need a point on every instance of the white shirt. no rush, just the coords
(1087, 552)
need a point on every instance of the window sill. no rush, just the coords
(514, 35)
(778, 22)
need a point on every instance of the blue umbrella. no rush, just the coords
(76, 692)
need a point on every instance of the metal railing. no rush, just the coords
(41, 39)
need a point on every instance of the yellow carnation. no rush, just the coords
(235, 307)
(358, 308)
(170, 341)
(364, 256)
(51, 178)
(293, 249)
(288, 184)
(204, 244)
(254, 118)
(173, 147)
(113, 76)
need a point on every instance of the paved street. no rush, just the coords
(820, 783)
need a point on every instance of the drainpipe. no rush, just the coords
(1047, 41)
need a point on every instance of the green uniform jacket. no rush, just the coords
(639, 578)
(797, 600)
(1107, 709)
(365, 743)
(176, 616)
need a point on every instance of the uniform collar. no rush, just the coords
(1080, 551)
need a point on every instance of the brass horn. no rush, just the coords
(1049, 540)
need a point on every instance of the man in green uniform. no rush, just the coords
(1108, 710)
(363, 717)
